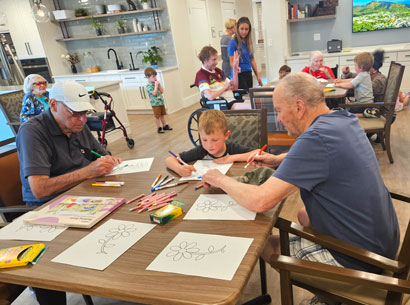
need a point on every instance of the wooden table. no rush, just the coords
(126, 278)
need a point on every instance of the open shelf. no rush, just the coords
(312, 18)
(111, 35)
(110, 15)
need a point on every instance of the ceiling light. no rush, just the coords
(40, 12)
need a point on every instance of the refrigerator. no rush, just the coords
(11, 72)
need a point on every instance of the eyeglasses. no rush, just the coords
(76, 114)
(40, 84)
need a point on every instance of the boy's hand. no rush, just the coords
(157, 83)
(346, 70)
(186, 170)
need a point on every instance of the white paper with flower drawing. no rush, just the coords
(205, 255)
(104, 245)
(202, 166)
(18, 230)
(220, 207)
(132, 166)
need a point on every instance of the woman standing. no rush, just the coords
(242, 42)
(230, 26)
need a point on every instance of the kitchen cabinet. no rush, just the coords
(404, 58)
(23, 29)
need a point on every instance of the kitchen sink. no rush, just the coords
(114, 71)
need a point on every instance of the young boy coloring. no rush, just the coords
(362, 83)
(213, 131)
(155, 91)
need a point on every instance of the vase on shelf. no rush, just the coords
(98, 31)
(145, 5)
(73, 68)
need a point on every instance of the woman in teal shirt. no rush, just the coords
(36, 99)
(242, 42)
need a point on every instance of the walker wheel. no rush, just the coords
(130, 142)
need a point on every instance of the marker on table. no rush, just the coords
(110, 182)
(161, 184)
(171, 185)
(156, 180)
(161, 181)
(104, 184)
(260, 151)
(199, 186)
(95, 153)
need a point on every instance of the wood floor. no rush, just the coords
(149, 143)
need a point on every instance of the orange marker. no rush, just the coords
(260, 152)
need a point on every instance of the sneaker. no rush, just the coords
(371, 113)
(166, 127)
(313, 301)
(160, 130)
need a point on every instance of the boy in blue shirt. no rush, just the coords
(155, 92)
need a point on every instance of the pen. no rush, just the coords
(171, 185)
(95, 153)
(178, 158)
(156, 180)
(100, 184)
(260, 151)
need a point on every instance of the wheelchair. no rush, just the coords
(218, 104)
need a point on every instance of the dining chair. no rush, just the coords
(382, 125)
(247, 126)
(335, 69)
(338, 284)
(10, 104)
(277, 133)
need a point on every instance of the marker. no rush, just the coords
(100, 184)
(260, 151)
(161, 180)
(171, 185)
(178, 158)
(110, 182)
(159, 185)
(95, 153)
(156, 180)
(199, 186)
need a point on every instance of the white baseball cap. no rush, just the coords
(73, 94)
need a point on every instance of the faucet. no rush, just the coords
(119, 66)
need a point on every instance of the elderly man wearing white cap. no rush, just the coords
(54, 148)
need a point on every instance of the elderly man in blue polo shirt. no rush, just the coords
(333, 166)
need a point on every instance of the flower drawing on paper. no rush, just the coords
(42, 228)
(113, 234)
(189, 250)
(213, 205)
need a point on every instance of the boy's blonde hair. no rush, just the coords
(364, 60)
(211, 121)
(230, 24)
(149, 72)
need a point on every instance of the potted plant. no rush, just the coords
(151, 56)
(72, 59)
(97, 26)
(80, 12)
(121, 26)
(144, 4)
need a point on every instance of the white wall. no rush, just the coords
(275, 35)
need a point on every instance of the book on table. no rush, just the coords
(75, 211)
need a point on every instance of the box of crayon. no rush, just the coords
(165, 214)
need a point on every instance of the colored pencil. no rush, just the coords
(135, 198)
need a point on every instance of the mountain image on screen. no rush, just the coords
(380, 15)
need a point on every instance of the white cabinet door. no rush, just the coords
(297, 65)
(23, 30)
(404, 59)
(135, 96)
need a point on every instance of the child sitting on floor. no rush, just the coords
(213, 131)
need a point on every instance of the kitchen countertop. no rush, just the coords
(115, 72)
(352, 51)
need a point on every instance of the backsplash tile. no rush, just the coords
(123, 45)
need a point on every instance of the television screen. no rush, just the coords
(380, 15)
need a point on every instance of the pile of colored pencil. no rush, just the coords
(153, 202)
